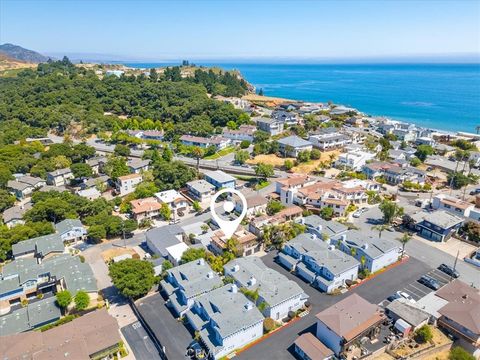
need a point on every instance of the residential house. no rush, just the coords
(256, 204)
(405, 135)
(437, 226)
(166, 241)
(453, 205)
(245, 241)
(90, 193)
(34, 181)
(144, 209)
(137, 166)
(243, 133)
(126, 184)
(59, 177)
(200, 190)
(329, 139)
(225, 320)
(39, 247)
(372, 252)
(276, 292)
(287, 118)
(100, 181)
(308, 347)
(186, 282)
(271, 126)
(412, 314)
(71, 230)
(220, 179)
(319, 263)
(347, 321)
(290, 213)
(288, 187)
(19, 189)
(376, 169)
(424, 140)
(153, 135)
(354, 160)
(292, 145)
(218, 141)
(175, 201)
(24, 278)
(322, 228)
(91, 336)
(397, 175)
(461, 316)
(342, 110)
(97, 164)
(14, 215)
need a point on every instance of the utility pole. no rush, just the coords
(454, 265)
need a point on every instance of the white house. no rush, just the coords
(375, 252)
(320, 264)
(271, 126)
(185, 282)
(292, 145)
(174, 200)
(59, 177)
(126, 184)
(278, 294)
(256, 204)
(71, 230)
(453, 205)
(200, 190)
(219, 142)
(225, 320)
(354, 160)
(329, 140)
(243, 133)
(136, 165)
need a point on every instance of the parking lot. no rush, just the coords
(417, 290)
(142, 346)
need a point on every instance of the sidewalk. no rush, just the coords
(451, 247)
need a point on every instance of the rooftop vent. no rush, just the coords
(249, 306)
(365, 246)
(343, 237)
(235, 268)
(234, 288)
(201, 261)
(252, 281)
(210, 275)
(319, 227)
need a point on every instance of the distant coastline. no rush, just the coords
(438, 96)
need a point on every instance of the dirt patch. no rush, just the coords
(439, 339)
(270, 159)
(109, 254)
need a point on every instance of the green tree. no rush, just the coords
(288, 164)
(406, 237)
(116, 167)
(315, 154)
(244, 144)
(241, 156)
(193, 254)
(274, 206)
(145, 189)
(196, 206)
(390, 211)
(5, 176)
(303, 156)
(121, 150)
(82, 300)
(6, 200)
(458, 353)
(64, 298)
(264, 170)
(198, 153)
(260, 136)
(423, 151)
(81, 170)
(133, 278)
(165, 211)
(424, 334)
(326, 213)
(96, 233)
(167, 154)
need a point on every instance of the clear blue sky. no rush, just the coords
(234, 29)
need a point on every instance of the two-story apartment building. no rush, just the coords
(437, 226)
(126, 184)
(174, 200)
(286, 117)
(200, 190)
(136, 165)
(243, 133)
(278, 294)
(449, 203)
(71, 230)
(319, 263)
(322, 228)
(225, 320)
(288, 187)
(147, 208)
(271, 126)
(375, 253)
(220, 179)
(59, 177)
(354, 160)
(185, 282)
(329, 139)
(292, 145)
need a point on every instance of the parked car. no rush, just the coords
(429, 282)
(449, 270)
(475, 192)
(393, 297)
(357, 214)
(406, 296)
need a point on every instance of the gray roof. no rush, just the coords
(228, 310)
(60, 172)
(31, 180)
(67, 225)
(324, 255)
(96, 160)
(136, 163)
(441, 218)
(43, 245)
(370, 244)
(18, 265)
(294, 141)
(195, 278)
(33, 315)
(219, 176)
(331, 228)
(17, 185)
(409, 312)
(272, 286)
(15, 212)
(163, 237)
(201, 186)
(93, 181)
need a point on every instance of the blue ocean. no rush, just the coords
(439, 96)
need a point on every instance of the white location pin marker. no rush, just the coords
(228, 226)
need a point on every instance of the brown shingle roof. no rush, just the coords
(313, 347)
(351, 316)
(140, 206)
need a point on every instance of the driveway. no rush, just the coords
(170, 333)
(140, 343)
(279, 345)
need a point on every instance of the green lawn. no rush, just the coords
(221, 153)
(261, 184)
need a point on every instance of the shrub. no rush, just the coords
(82, 300)
(40, 296)
(424, 334)
(458, 353)
(292, 314)
(244, 144)
(24, 302)
(82, 258)
(268, 324)
(64, 298)
(59, 322)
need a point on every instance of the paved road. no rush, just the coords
(421, 250)
(279, 346)
(140, 343)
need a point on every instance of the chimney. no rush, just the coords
(201, 262)
(343, 237)
(234, 288)
(365, 246)
(319, 227)
(248, 306)
(252, 281)
(313, 236)
(210, 275)
(235, 268)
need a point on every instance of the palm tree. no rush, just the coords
(406, 237)
(380, 229)
(353, 251)
(363, 261)
(198, 154)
